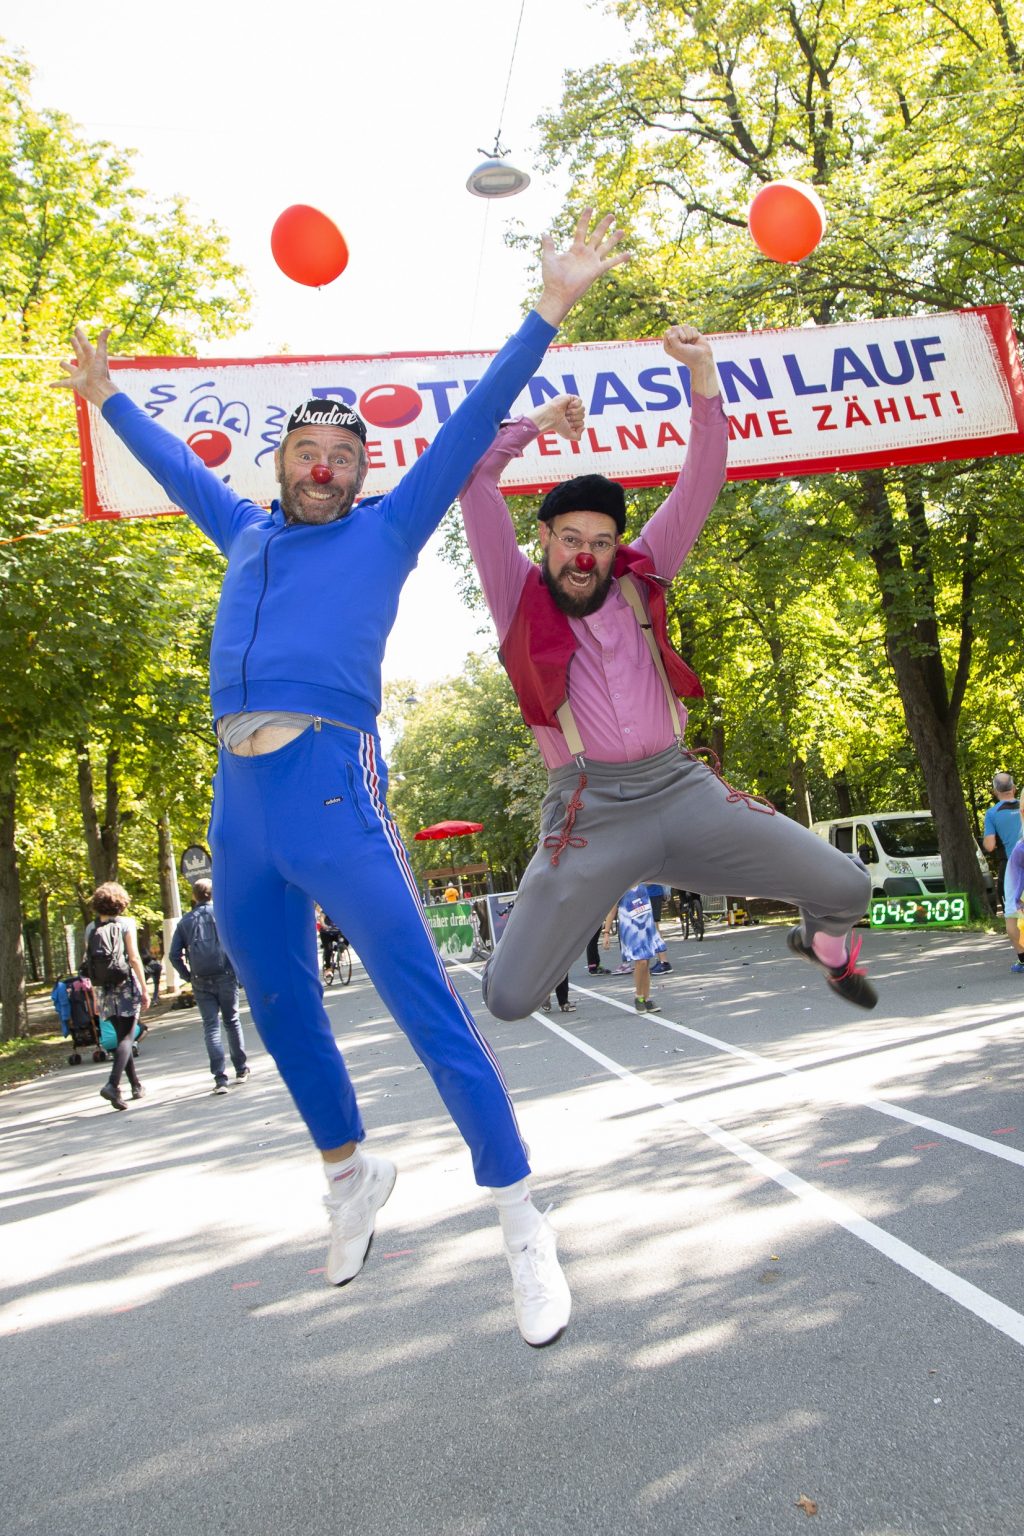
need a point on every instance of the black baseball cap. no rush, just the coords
(326, 413)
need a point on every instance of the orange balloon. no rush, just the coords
(308, 246)
(786, 220)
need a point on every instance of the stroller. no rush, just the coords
(80, 1019)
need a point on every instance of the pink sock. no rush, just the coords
(829, 949)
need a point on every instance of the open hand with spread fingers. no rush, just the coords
(89, 373)
(568, 274)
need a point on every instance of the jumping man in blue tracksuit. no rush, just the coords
(300, 814)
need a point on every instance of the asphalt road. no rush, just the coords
(793, 1232)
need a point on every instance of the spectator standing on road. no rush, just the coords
(639, 941)
(1001, 833)
(657, 894)
(153, 967)
(198, 955)
(1013, 887)
(114, 966)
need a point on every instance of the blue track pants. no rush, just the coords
(309, 823)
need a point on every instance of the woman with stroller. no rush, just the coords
(113, 963)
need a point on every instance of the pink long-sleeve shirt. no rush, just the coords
(616, 695)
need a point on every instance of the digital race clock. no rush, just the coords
(919, 911)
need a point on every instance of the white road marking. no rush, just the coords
(880, 1106)
(971, 1297)
(966, 1295)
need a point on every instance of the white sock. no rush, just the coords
(517, 1213)
(342, 1178)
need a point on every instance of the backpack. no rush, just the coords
(106, 959)
(206, 955)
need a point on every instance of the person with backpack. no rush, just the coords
(113, 965)
(198, 955)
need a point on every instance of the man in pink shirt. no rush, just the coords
(583, 637)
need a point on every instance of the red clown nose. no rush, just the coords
(585, 561)
(322, 474)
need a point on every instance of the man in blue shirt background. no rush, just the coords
(1001, 834)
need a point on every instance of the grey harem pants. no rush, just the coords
(668, 819)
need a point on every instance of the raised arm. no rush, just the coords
(671, 533)
(417, 505)
(213, 506)
(490, 532)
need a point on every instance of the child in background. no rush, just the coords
(639, 940)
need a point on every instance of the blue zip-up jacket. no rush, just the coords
(305, 610)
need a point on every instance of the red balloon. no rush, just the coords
(786, 220)
(308, 246)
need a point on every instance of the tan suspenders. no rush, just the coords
(564, 714)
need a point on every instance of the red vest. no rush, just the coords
(540, 643)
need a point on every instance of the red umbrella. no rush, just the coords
(444, 831)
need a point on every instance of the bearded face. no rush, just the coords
(578, 557)
(339, 461)
(577, 593)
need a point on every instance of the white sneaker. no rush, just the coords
(352, 1217)
(539, 1289)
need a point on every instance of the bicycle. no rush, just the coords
(482, 946)
(692, 915)
(337, 961)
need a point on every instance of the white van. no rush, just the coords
(900, 849)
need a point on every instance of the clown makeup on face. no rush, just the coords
(320, 471)
(578, 554)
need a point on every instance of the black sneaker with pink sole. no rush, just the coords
(846, 980)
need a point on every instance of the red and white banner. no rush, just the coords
(816, 400)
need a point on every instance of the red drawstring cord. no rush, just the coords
(751, 801)
(564, 838)
(850, 968)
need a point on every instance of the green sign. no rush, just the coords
(943, 911)
(451, 923)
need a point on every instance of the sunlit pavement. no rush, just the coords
(792, 1230)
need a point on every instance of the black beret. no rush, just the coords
(587, 493)
(326, 413)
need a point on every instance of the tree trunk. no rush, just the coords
(801, 811)
(49, 971)
(170, 897)
(13, 1013)
(101, 839)
(110, 832)
(844, 800)
(913, 647)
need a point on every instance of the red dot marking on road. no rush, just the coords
(1006, 1130)
(836, 1162)
(399, 1253)
(922, 1146)
(243, 1285)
